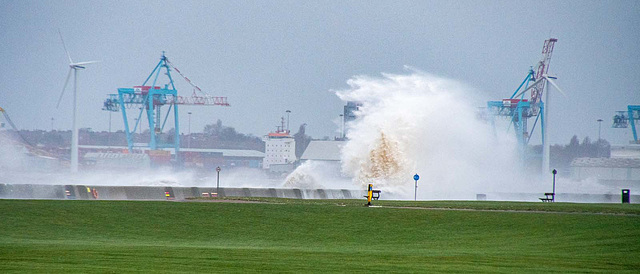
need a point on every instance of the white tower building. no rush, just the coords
(280, 149)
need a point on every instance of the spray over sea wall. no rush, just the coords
(420, 123)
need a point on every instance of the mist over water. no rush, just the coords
(233, 178)
(17, 166)
(11, 156)
(420, 123)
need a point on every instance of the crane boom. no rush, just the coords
(6, 117)
(30, 147)
(138, 98)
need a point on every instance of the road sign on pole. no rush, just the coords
(415, 193)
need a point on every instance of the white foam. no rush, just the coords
(420, 123)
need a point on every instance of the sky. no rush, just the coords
(267, 57)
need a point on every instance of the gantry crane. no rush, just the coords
(151, 98)
(13, 126)
(518, 109)
(25, 143)
(623, 119)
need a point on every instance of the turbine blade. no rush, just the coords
(556, 86)
(529, 88)
(63, 88)
(85, 63)
(65, 47)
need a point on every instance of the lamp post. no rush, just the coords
(341, 126)
(598, 142)
(189, 135)
(109, 136)
(599, 128)
(288, 112)
(218, 181)
(52, 123)
(553, 199)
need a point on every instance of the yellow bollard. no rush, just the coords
(369, 194)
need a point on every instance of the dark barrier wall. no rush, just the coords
(83, 192)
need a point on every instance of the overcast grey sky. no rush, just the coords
(270, 56)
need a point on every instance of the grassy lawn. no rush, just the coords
(316, 236)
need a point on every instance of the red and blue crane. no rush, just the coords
(149, 98)
(518, 110)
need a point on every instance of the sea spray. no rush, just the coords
(318, 175)
(12, 156)
(420, 123)
(301, 177)
(385, 163)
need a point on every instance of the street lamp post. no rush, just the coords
(52, 123)
(189, 135)
(288, 112)
(598, 143)
(109, 136)
(553, 198)
(599, 128)
(341, 126)
(218, 181)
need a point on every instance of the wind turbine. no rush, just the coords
(74, 133)
(545, 118)
(543, 82)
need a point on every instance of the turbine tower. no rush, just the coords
(74, 132)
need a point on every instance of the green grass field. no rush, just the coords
(302, 236)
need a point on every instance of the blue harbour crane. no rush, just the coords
(623, 119)
(518, 110)
(149, 98)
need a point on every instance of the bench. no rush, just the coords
(549, 197)
(375, 194)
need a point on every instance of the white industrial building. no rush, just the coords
(625, 151)
(279, 152)
(327, 151)
(622, 169)
(108, 160)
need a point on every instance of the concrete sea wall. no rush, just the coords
(84, 192)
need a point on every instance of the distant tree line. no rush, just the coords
(561, 156)
(213, 136)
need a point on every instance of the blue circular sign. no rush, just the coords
(416, 177)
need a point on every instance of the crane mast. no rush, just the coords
(541, 70)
